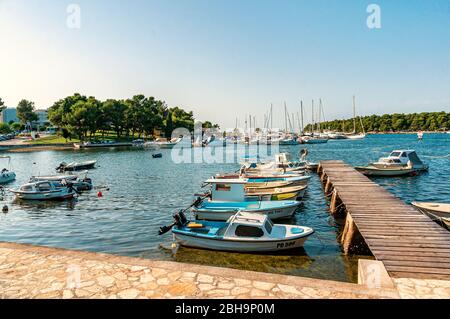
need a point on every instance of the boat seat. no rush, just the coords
(213, 231)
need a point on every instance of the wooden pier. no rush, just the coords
(407, 242)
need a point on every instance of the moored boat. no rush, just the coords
(242, 232)
(228, 196)
(398, 163)
(45, 190)
(6, 175)
(79, 181)
(439, 212)
(75, 166)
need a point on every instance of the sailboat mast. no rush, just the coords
(301, 113)
(285, 118)
(312, 117)
(354, 115)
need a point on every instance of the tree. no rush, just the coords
(114, 111)
(16, 126)
(25, 112)
(2, 105)
(5, 128)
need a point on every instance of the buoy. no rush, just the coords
(5, 209)
(100, 194)
(174, 245)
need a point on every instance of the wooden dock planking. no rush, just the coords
(407, 242)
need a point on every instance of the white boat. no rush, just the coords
(45, 190)
(75, 166)
(228, 196)
(398, 163)
(163, 143)
(439, 212)
(242, 232)
(80, 181)
(354, 135)
(420, 135)
(314, 140)
(6, 175)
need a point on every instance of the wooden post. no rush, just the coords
(333, 204)
(328, 187)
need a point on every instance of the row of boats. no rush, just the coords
(70, 181)
(237, 211)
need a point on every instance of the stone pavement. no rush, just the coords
(38, 272)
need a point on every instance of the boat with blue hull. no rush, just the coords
(228, 196)
(243, 232)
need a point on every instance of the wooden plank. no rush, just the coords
(413, 257)
(409, 263)
(419, 270)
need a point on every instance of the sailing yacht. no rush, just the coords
(354, 135)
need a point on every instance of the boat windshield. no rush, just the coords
(395, 154)
(268, 226)
(248, 231)
(26, 188)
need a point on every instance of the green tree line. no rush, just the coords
(426, 121)
(84, 117)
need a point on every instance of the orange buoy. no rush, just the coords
(100, 194)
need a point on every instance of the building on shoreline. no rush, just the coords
(9, 115)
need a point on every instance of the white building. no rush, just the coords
(42, 117)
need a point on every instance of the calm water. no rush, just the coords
(144, 192)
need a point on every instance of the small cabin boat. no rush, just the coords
(79, 181)
(75, 166)
(228, 196)
(6, 175)
(243, 232)
(45, 190)
(439, 212)
(398, 163)
(158, 155)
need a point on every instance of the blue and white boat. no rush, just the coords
(228, 197)
(243, 232)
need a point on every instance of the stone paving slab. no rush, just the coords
(38, 272)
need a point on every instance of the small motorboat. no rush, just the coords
(228, 196)
(398, 163)
(79, 181)
(158, 155)
(6, 175)
(75, 166)
(45, 190)
(420, 135)
(439, 212)
(163, 143)
(242, 232)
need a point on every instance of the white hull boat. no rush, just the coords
(398, 163)
(439, 212)
(221, 210)
(44, 191)
(243, 232)
(6, 175)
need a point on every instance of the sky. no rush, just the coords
(224, 59)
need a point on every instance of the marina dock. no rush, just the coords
(409, 244)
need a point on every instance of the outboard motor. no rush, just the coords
(180, 219)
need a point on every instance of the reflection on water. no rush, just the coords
(141, 193)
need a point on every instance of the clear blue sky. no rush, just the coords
(230, 58)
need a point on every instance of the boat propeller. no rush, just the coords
(179, 217)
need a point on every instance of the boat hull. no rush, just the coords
(44, 196)
(225, 214)
(440, 217)
(239, 246)
(386, 172)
